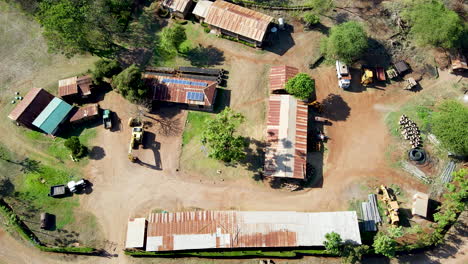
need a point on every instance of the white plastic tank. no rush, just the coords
(281, 23)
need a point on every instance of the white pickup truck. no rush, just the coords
(343, 74)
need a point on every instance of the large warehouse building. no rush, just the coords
(236, 229)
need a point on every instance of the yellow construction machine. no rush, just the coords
(392, 205)
(367, 76)
(137, 137)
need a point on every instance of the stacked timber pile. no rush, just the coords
(370, 213)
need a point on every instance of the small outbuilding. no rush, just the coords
(178, 8)
(75, 88)
(201, 9)
(55, 113)
(279, 76)
(420, 204)
(85, 113)
(136, 230)
(33, 103)
(238, 22)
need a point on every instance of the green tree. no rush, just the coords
(347, 42)
(129, 83)
(75, 146)
(384, 245)
(300, 86)
(395, 231)
(105, 68)
(333, 243)
(352, 254)
(434, 24)
(310, 19)
(219, 136)
(449, 124)
(171, 38)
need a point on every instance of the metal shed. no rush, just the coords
(33, 103)
(279, 75)
(52, 116)
(136, 233)
(201, 9)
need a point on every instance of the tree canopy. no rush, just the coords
(78, 26)
(129, 83)
(347, 42)
(105, 68)
(434, 24)
(321, 6)
(450, 125)
(333, 243)
(170, 41)
(220, 139)
(385, 245)
(75, 146)
(300, 86)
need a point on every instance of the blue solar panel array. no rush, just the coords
(203, 84)
(195, 96)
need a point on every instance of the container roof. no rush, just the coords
(51, 117)
(238, 19)
(279, 75)
(286, 151)
(235, 229)
(202, 7)
(35, 94)
(420, 203)
(177, 89)
(135, 233)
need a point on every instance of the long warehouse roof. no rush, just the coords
(51, 117)
(236, 229)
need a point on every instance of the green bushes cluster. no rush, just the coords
(238, 40)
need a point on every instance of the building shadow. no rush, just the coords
(335, 108)
(405, 215)
(76, 129)
(205, 56)
(149, 142)
(223, 100)
(281, 41)
(97, 153)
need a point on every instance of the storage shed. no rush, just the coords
(239, 22)
(242, 229)
(85, 113)
(279, 76)
(420, 204)
(52, 116)
(196, 94)
(178, 8)
(201, 9)
(286, 151)
(75, 88)
(136, 233)
(33, 103)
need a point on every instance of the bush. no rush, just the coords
(105, 68)
(300, 86)
(171, 37)
(347, 42)
(384, 245)
(75, 146)
(207, 30)
(449, 125)
(129, 83)
(433, 24)
(333, 243)
(310, 19)
(321, 6)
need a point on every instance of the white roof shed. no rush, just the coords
(202, 7)
(136, 233)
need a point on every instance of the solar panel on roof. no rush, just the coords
(185, 82)
(195, 96)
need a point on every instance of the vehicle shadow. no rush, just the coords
(149, 142)
(116, 122)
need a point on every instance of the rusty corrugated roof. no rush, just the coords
(177, 5)
(279, 75)
(238, 19)
(177, 93)
(85, 112)
(285, 155)
(75, 85)
(31, 106)
(237, 229)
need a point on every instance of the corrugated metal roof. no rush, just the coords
(84, 84)
(52, 115)
(235, 229)
(286, 151)
(279, 75)
(177, 5)
(85, 112)
(177, 93)
(420, 204)
(238, 19)
(136, 233)
(75, 85)
(202, 7)
(32, 104)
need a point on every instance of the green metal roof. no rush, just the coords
(54, 113)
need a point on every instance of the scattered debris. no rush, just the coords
(413, 170)
(370, 213)
(446, 175)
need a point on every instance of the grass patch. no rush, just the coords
(194, 126)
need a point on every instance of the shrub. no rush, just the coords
(129, 83)
(384, 245)
(333, 243)
(75, 146)
(105, 68)
(347, 42)
(207, 30)
(300, 86)
(310, 19)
